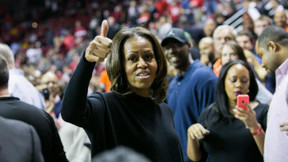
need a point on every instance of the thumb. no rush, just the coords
(104, 28)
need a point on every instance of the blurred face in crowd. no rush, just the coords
(206, 50)
(228, 54)
(280, 18)
(50, 81)
(140, 64)
(260, 25)
(221, 38)
(237, 81)
(209, 27)
(177, 54)
(244, 42)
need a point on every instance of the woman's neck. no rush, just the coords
(142, 92)
(232, 105)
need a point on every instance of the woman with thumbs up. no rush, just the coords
(133, 114)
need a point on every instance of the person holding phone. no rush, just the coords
(133, 114)
(225, 131)
(233, 51)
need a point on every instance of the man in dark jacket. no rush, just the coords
(13, 108)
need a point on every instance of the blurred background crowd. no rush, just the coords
(50, 35)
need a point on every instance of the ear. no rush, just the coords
(273, 47)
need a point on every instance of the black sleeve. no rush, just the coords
(36, 146)
(75, 103)
(57, 152)
(201, 120)
(263, 117)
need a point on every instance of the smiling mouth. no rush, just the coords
(143, 75)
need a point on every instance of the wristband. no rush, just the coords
(258, 131)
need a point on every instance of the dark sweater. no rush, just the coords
(232, 141)
(111, 120)
(52, 148)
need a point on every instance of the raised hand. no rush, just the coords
(100, 47)
(197, 131)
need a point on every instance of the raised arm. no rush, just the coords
(75, 103)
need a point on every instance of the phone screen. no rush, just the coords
(241, 99)
(46, 93)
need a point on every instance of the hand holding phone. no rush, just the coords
(241, 99)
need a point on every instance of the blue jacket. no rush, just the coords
(188, 95)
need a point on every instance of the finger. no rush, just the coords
(100, 53)
(240, 109)
(199, 131)
(190, 132)
(104, 28)
(240, 117)
(284, 124)
(247, 106)
(105, 45)
(92, 58)
(191, 135)
(235, 110)
(104, 41)
(203, 130)
(284, 129)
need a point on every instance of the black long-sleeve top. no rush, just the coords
(111, 120)
(52, 148)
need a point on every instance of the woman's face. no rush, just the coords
(228, 54)
(237, 81)
(140, 64)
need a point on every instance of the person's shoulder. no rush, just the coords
(202, 69)
(102, 98)
(208, 112)
(165, 107)
(202, 72)
(24, 105)
(13, 125)
(210, 108)
(18, 78)
(30, 110)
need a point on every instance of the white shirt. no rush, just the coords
(276, 141)
(19, 86)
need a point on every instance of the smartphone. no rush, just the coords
(241, 99)
(46, 93)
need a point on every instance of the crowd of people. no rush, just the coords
(160, 77)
